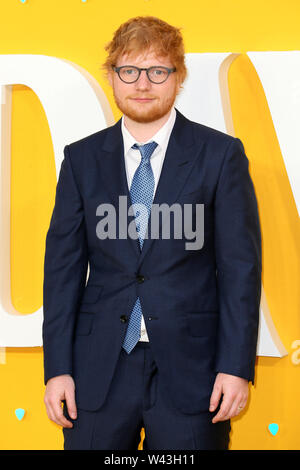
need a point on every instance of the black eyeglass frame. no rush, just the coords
(169, 70)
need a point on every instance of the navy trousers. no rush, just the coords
(135, 401)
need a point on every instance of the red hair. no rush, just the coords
(142, 33)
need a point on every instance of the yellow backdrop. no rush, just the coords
(78, 31)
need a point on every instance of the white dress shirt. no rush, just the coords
(133, 159)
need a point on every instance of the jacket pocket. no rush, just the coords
(91, 294)
(192, 191)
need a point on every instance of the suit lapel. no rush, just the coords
(180, 155)
(178, 162)
(113, 174)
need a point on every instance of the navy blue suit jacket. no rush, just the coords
(201, 307)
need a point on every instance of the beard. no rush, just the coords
(147, 112)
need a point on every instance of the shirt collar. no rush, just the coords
(161, 137)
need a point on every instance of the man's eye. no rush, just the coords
(129, 71)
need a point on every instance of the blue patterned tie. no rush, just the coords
(141, 192)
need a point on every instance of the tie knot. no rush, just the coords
(146, 150)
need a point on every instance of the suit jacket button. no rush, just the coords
(123, 318)
(140, 278)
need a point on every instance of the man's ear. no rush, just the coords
(110, 79)
(178, 84)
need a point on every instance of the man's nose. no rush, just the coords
(143, 81)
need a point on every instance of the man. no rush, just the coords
(161, 337)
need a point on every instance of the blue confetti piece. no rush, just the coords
(273, 428)
(19, 412)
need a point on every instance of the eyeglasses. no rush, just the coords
(130, 73)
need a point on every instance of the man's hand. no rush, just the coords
(60, 388)
(235, 395)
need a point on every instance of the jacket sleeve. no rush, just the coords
(239, 265)
(65, 270)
